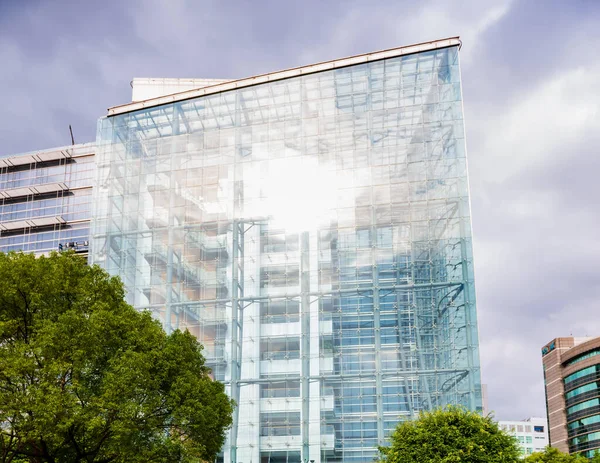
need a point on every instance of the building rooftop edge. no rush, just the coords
(285, 74)
(524, 420)
(175, 79)
(89, 144)
(577, 340)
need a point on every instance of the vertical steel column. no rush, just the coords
(467, 308)
(235, 348)
(424, 379)
(304, 308)
(377, 326)
(305, 339)
(170, 232)
(376, 305)
(403, 360)
(235, 362)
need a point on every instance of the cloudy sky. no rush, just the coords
(531, 78)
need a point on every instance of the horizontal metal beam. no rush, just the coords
(342, 377)
(34, 190)
(333, 292)
(32, 223)
(56, 154)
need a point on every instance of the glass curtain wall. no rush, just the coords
(45, 200)
(314, 234)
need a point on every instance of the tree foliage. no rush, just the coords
(552, 455)
(86, 378)
(449, 436)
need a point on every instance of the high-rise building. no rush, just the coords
(531, 433)
(45, 199)
(312, 228)
(572, 382)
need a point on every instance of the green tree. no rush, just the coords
(449, 436)
(86, 378)
(552, 455)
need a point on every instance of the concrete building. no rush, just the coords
(45, 199)
(312, 228)
(572, 381)
(532, 433)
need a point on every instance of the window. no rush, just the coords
(280, 349)
(280, 311)
(581, 373)
(538, 429)
(581, 357)
(280, 389)
(581, 389)
(585, 438)
(583, 406)
(279, 276)
(280, 457)
(280, 424)
(278, 241)
(584, 422)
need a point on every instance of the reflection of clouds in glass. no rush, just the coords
(296, 194)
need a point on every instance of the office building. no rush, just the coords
(531, 433)
(572, 382)
(45, 199)
(312, 228)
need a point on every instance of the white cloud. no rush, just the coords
(535, 227)
(365, 28)
(554, 114)
(473, 33)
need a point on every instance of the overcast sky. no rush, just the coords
(531, 79)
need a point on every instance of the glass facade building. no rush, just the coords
(45, 199)
(312, 229)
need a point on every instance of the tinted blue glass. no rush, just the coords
(583, 406)
(582, 357)
(581, 373)
(581, 390)
(587, 421)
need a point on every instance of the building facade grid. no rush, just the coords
(314, 233)
(571, 378)
(531, 434)
(45, 199)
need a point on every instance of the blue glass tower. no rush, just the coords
(312, 228)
